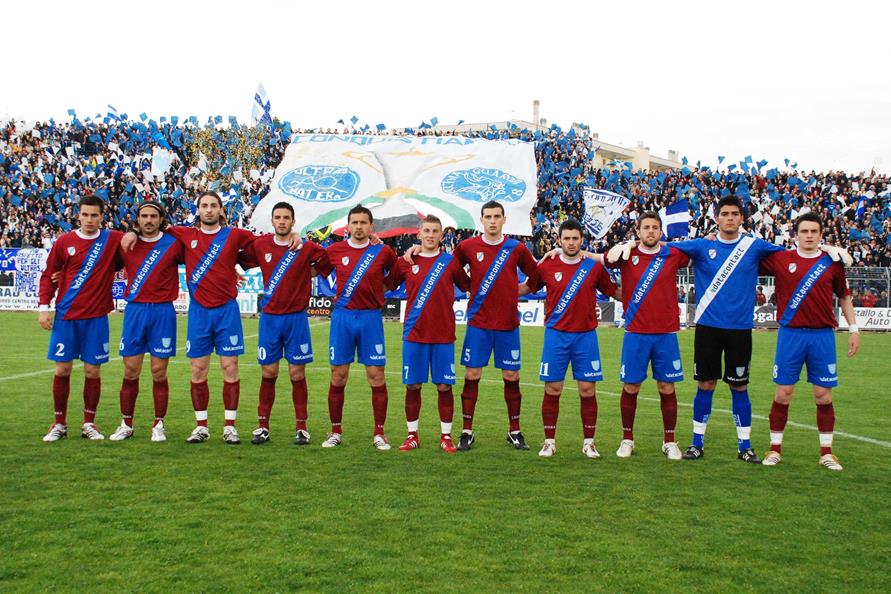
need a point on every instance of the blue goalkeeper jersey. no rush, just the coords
(725, 277)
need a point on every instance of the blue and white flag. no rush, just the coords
(861, 207)
(602, 209)
(261, 107)
(113, 113)
(675, 219)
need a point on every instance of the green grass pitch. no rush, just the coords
(140, 516)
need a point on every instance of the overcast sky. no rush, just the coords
(805, 80)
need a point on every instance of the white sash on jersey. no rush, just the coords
(722, 275)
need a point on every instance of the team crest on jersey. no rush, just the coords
(793, 266)
(415, 268)
(713, 254)
(480, 256)
(635, 260)
(194, 244)
(105, 347)
(233, 339)
(379, 348)
(267, 257)
(452, 367)
(515, 354)
(345, 260)
(831, 367)
(558, 276)
(740, 371)
(676, 364)
(165, 342)
(71, 250)
(595, 365)
(304, 348)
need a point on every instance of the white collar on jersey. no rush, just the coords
(816, 254)
(358, 246)
(152, 239)
(211, 231)
(722, 240)
(83, 235)
(650, 251)
(277, 242)
(433, 255)
(575, 260)
(500, 239)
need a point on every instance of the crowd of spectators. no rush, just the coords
(47, 167)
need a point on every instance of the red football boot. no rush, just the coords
(411, 443)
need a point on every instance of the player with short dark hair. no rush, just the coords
(87, 260)
(572, 282)
(492, 320)
(211, 253)
(649, 299)
(356, 323)
(428, 337)
(284, 326)
(149, 318)
(725, 275)
(806, 282)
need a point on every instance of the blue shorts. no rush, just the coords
(418, 358)
(86, 340)
(357, 329)
(149, 328)
(812, 346)
(284, 336)
(638, 350)
(479, 344)
(214, 327)
(562, 347)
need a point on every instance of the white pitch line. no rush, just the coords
(79, 365)
(863, 438)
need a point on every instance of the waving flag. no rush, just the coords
(675, 219)
(861, 207)
(602, 209)
(261, 107)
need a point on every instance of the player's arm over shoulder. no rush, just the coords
(605, 283)
(247, 258)
(179, 232)
(462, 281)
(244, 237)
(770, 263)
(526, 262)
(535, 280)
(322, 263)
(690, 247)
(766, 248)
(396, 275)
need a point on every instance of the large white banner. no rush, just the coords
(402, 178)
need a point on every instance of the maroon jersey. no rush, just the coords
(161, 284)
(436, 322)
(369, 292)
(86, 277)
(650, 290)
(499, 309)
(817, 308)
(293, 284)
(581, 313)
(212, 282)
